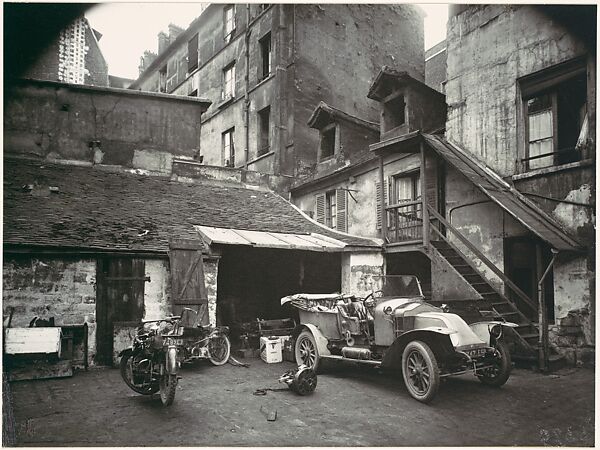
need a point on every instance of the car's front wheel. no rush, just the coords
(498, 374)
(420, 371)
(306, 350)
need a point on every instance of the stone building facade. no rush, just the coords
(521, 85)
(74, 56)
(266, 67)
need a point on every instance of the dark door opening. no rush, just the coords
(120, 298)
(252, 281)
(521, 267)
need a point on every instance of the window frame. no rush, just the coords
(264, 135)
(332, 127)
(548, 81)
(266, 39)
(225, 95)
(190, 65)
(228, 151)
(228, 25)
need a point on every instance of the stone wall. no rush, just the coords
(63, 288)
(361, 273)
(99, 125)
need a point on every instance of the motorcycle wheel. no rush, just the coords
(168, 384)
(127, 373)
(219, 349)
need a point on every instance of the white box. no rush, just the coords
(270, 349)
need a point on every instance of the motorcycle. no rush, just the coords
(152, 363)
(204, 341)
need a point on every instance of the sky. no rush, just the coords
(128, 29)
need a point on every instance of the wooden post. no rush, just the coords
(425, 212)
(384, 226)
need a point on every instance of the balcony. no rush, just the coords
(405, 222)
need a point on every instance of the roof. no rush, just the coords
(290, 241)
(324, 114)
(504, 195)
(387, 75)
(96, 209)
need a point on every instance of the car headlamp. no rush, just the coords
(496, 331)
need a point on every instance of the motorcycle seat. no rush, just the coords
(193, 332)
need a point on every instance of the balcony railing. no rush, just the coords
(405, 221)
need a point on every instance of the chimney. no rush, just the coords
(145, 60)
(163, 42)
(174, 31)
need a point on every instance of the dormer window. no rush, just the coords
(394, 111)
(329, 142)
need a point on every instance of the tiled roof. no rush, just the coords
(92, 208)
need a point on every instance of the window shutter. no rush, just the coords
(320, 208)
(342, 216)
(378, 201)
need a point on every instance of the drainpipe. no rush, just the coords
(542, 315)
(247, 87)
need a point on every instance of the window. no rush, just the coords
(407, 187)
(394, 112)
(328, 142)
(264, 130)
(162, 79)
(266, 55)
(192, 57)
(555, 112)
(330, 209)
(228, 148)
(228, 82)
(228, 22)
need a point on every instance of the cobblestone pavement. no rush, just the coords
(350, 407)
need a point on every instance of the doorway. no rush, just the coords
(119, 298)
(521, 267)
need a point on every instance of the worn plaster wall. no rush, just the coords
(95, 125)
(157, 291)
(326, 69)
(361, 272)
(362, 199)
(447, 284)
(489, 47)
(45, 287)
(435, 66)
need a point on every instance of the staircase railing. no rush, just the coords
(434, 215)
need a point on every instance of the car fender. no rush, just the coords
(482, 329)
(437, 338)
(320, 340)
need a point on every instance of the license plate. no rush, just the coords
(173, 341)
(476, 353)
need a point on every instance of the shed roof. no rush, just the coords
(96, 209)
(324, 114)
(388, 78)
(504, 195)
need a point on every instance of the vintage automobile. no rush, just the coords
(400, 332)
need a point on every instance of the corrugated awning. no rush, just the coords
(504, 195)
(266, 239)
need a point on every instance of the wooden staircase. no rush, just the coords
(493, 300)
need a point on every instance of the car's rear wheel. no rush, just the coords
(499, 373)
(306, 350)
(420, 371)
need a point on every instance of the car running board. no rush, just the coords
(342, 358)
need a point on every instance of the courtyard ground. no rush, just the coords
(215, 406)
